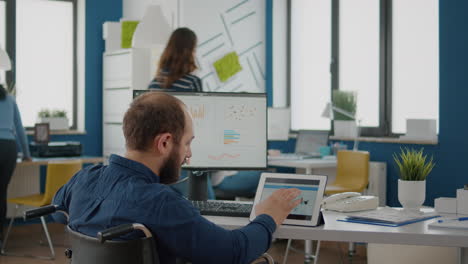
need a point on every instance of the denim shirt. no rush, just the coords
(11, 126)
(126, 191)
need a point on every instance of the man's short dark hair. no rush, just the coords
(151, 114)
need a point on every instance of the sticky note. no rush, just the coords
(227, 66)
(128, 28)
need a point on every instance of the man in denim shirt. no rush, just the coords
(158, 131)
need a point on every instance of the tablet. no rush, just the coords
(312, 188)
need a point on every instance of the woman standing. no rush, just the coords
(11, 133)
(177, 64)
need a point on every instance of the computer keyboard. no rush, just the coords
(223, 208)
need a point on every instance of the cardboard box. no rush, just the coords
(111, 33)
(462, 201)
(446, 205)
(421, 129)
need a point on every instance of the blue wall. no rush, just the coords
(451, 153)
(97, 12)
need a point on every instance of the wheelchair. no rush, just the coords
(103, 250)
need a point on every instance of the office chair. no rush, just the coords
(58, 173)
(352, 172)
(103, 250)
(352, 175)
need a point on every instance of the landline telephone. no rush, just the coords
(350, 202)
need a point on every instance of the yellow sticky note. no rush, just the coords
(227, 66)
(128, 28)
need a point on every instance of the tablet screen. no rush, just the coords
(309, 189)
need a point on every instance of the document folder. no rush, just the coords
(388, 217)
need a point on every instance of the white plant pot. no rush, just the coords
(345, 128)
(411, 194)
(55, 123)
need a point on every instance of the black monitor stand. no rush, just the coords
(198, 185)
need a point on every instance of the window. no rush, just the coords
(310, 63)
(45, 63)
(386, 51)
(415, 66)
(359, 56)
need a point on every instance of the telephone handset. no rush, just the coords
(350, 202)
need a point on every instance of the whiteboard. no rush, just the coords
(230, 129)
(228, 27)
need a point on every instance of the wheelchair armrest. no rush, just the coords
(41, 211)
(119, 230)
(114, 232)
(264, 259)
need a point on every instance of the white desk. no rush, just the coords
(308, 164)
(45, 161)
(413, 234)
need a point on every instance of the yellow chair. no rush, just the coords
(352, 172)
(58, 173)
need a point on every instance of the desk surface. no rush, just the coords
(412, 234)
(45, 161)
(304, 163)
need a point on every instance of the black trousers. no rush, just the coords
(7, 167)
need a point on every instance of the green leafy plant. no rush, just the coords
(413, 165)
(45, 113)
(59, 113)
(345, 100)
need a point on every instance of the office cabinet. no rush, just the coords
(123, 71)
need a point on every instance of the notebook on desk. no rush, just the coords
(308, 143)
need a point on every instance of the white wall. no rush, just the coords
(136, 9)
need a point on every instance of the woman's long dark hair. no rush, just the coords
(3, 93)
(178, 59)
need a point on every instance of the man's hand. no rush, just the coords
(279, 204)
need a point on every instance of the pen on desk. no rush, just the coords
(456, 219)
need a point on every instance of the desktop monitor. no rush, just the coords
(230, 130)
(309, 141)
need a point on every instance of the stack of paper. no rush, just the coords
(387, 216)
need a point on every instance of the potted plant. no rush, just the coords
(414, 168)
(343, 125)
(57, 119)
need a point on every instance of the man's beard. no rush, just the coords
(170, 171)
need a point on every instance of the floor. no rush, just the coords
(27, 238)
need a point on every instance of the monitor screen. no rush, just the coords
(309, 141)
(230, 129)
